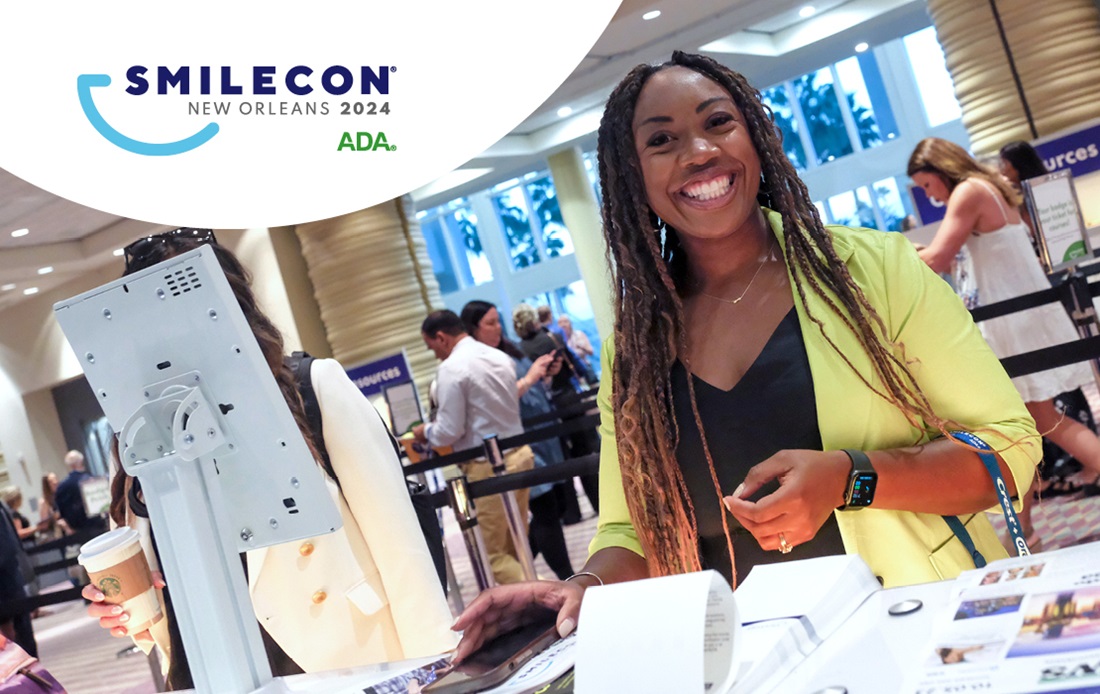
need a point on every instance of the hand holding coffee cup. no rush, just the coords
(123, 590)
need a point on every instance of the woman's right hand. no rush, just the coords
(504, 608)
(538, 368)
(113, 617)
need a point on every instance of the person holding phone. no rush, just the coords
(753, 345)
(545, 532)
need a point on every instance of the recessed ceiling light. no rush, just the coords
(20, 232)
(30, 290)
(807, 11)
(7, 288)
(861, 46)
(564, 112)
(45, 270)
(652, 14)
(118, 252)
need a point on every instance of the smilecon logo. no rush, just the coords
(359, 99)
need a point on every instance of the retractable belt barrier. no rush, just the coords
(578, 408)
(540, 434)
(10, 608)
(1078, 291)
(558, 472)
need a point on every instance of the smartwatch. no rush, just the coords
(862, 480)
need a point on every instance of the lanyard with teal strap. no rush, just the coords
(1013, 523)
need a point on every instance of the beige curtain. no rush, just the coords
(374, 284)
(1056, 48)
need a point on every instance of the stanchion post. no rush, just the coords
(1083, 314)
(517, 525)
(458, 494)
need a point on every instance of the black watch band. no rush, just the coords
(862, 480)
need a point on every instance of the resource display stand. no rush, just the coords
(205, 429)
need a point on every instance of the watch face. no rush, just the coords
(862, 491)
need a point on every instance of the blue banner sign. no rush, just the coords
(372, 377)
(1077, 151)
(928, 210)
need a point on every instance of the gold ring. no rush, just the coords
(784, 546)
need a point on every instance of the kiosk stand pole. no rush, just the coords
(202, 567)
(1083, 314)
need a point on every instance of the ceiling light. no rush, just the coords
(807, 11)
(20, 232)
(861, 46)
(564, 112)
(45, 270)
(652, 14)
(30, 290)
(7, 288)
(118, 252)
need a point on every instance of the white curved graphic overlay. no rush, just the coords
(234, 115)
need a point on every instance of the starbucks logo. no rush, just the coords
(110, 587)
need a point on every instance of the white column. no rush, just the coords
(581, 213)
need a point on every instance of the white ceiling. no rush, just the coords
(766, 40)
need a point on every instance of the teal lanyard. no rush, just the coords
(1013, 523)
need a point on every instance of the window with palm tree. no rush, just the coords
(544, 198)
(820, 107)
(515, 219)
(779, 101)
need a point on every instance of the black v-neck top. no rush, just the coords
(770, 409)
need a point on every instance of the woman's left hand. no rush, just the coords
(811, 486)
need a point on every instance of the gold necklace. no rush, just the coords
(747, 286)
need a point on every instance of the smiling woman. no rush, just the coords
(779, 389)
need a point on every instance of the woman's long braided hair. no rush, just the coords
(650, 269)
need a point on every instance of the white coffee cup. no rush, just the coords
(117, 566)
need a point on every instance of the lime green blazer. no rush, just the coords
(953, 366)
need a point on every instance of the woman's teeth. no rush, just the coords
(708, 190)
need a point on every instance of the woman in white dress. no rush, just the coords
(982, 214)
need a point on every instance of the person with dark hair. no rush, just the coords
(982, 213)
(477, 397)
(1019, 162)
(13, 561)
(545, 535)
(763, 363)
(370, 587)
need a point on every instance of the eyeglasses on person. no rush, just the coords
(141, 252)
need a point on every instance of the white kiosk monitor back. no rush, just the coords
(204, 427)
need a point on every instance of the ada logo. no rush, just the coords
(365, 142)
(84, 84)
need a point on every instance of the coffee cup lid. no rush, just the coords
(106, 542)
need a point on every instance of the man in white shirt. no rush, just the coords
(477, 396)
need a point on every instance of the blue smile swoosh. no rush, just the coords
(84, 84)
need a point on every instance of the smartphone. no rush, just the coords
(498, 659)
